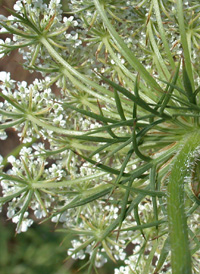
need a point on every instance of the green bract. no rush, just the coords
(114, 157)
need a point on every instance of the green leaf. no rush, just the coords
(119, 105)
(90, 114)
(152, 178)
(13, 102)
(12, 123)
(163, 255)
(162, 33)
(150, 258)
(162, 68)
(143, 226)
(137, 219)
(182, 29)
(137, 100)
(188, 86)
(169, 91)
(16, 31)
(7, 198)
(25, 20)
(24, 208)
(137, 151)
(12, 178)
(103, 167)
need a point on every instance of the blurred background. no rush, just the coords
(39, 250)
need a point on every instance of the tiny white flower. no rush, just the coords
(15, 219)
(100, 260)
(4, 76)
(25, 225)
(39, 213)
(18, 6)
(10, 213)
(3, 135)
(11, 159)
(2, 17)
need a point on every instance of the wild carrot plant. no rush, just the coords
(115, 156)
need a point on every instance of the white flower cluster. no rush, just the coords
(36, 100)
(46, 20)
(18, 189)
(78, 155)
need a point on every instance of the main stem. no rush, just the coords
(180, 251)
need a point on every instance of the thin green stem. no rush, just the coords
(43, 124)
(162, 33)
(71, 70)
(178, 231)
(184, 41)
(158, 55)
(124, 50)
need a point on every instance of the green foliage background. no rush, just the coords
(38, 251)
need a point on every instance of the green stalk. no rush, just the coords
(78, 79)
(56, 56)
(126, 72)
(158, 55)
(124, 50)
(178, 231)
(47, 126)
(162, 33)
(184, 42)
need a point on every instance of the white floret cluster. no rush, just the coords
(35, 100)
